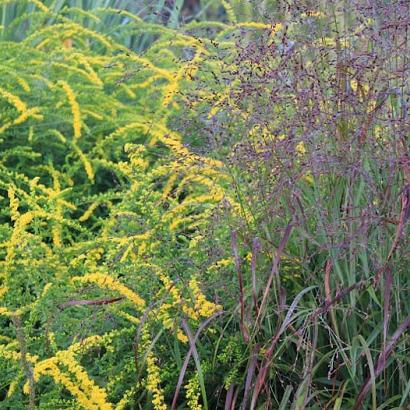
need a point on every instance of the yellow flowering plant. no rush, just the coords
(100, 200)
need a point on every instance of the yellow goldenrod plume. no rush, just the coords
(75, 108)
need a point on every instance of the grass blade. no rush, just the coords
(381, 363)
(188, 356)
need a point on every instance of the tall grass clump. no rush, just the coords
(312, 125)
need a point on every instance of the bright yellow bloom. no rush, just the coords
(192, 393)
(202, 306)
(86, 215)
(13, 385)
(40, 5)
(96, 394)
(14, 203)
(86, 163)
(14, 100)
(21, 107)
(300, 148)
(19, 228)
(181, 336)
(153, 383)
(74, 378)
(75, 108)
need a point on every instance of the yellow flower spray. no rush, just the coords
(193, 394)
(75, 108)
(153, 383)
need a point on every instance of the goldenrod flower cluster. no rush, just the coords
(75, 108)
(203, 308)
(14, 203)
(192, 393)
(21, 107)
(88, 394)
(153, 383)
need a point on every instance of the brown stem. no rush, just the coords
(89, 302)
(28, 370)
